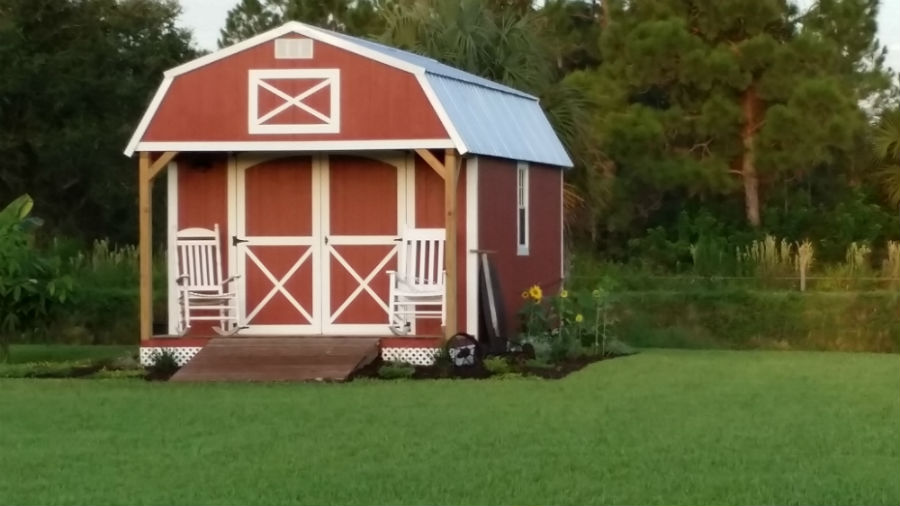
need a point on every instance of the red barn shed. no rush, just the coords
(311, 152)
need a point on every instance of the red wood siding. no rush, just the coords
(497, 229)
(376, 101)
(202, 202)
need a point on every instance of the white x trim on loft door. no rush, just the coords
(267, 81)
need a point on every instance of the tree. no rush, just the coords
(886, 139)
(251, 17)
(77, 75)
(508, 42)
(721, 97)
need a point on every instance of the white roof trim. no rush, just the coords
(441, 113)
(290, 27)
(148, 115)
(358, 145)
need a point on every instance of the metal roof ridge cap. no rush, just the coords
(509, 89)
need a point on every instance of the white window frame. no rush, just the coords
(523, 229)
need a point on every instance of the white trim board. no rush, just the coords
(171, 252)
(472, 288)
(148, 115)
(361, 145)
(314, 33)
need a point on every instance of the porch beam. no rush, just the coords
(160, 163)
(145, 247)
(433, 162)
(451, 177)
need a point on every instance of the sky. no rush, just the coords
(207, 17)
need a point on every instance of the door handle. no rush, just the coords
(235, 240)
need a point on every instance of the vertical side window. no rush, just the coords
(522, 208)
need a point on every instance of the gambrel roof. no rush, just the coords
(480, 116)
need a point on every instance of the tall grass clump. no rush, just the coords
(769, 257)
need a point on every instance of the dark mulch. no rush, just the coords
(71, 372)
(158, 375)
(519, 364)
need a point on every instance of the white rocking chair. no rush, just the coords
(202, 293)
(417, 286)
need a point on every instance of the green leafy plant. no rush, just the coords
(31, 283)
(497, 365)
(560, 326)
(603, 317)
(396, 370)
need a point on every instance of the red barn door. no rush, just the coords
(365, 203)
(314, 238)
(277, 243)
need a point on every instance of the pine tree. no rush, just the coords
(728, 96)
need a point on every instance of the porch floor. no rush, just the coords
(279, 359)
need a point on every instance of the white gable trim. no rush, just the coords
(308, 31)
(148, 115)
(441, 113)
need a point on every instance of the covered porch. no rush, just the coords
(317, 252)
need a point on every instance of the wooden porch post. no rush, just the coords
(449, 172)
(145, 244)
(146, 173)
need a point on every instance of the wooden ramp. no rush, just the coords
(279, 359)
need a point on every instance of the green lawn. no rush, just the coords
(661, 427)
(22, 353)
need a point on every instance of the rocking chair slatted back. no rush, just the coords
(420, 262)
(199, 259)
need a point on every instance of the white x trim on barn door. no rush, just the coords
(278, 285)
(363, 282)
(250, 254)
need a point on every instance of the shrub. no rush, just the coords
(31, 284)
(396, 370)
(164, 364)
(497, 365)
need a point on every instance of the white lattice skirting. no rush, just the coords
(183, 354)
(414, 356)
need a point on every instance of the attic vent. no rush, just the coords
(293, 49)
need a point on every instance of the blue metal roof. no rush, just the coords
(490, 118)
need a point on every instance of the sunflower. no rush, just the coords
(596, 294)
(536, 293)
(564, 294)
(525, 294)
(579, 318)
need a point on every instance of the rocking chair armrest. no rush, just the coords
(181, 278)
(229, 279)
